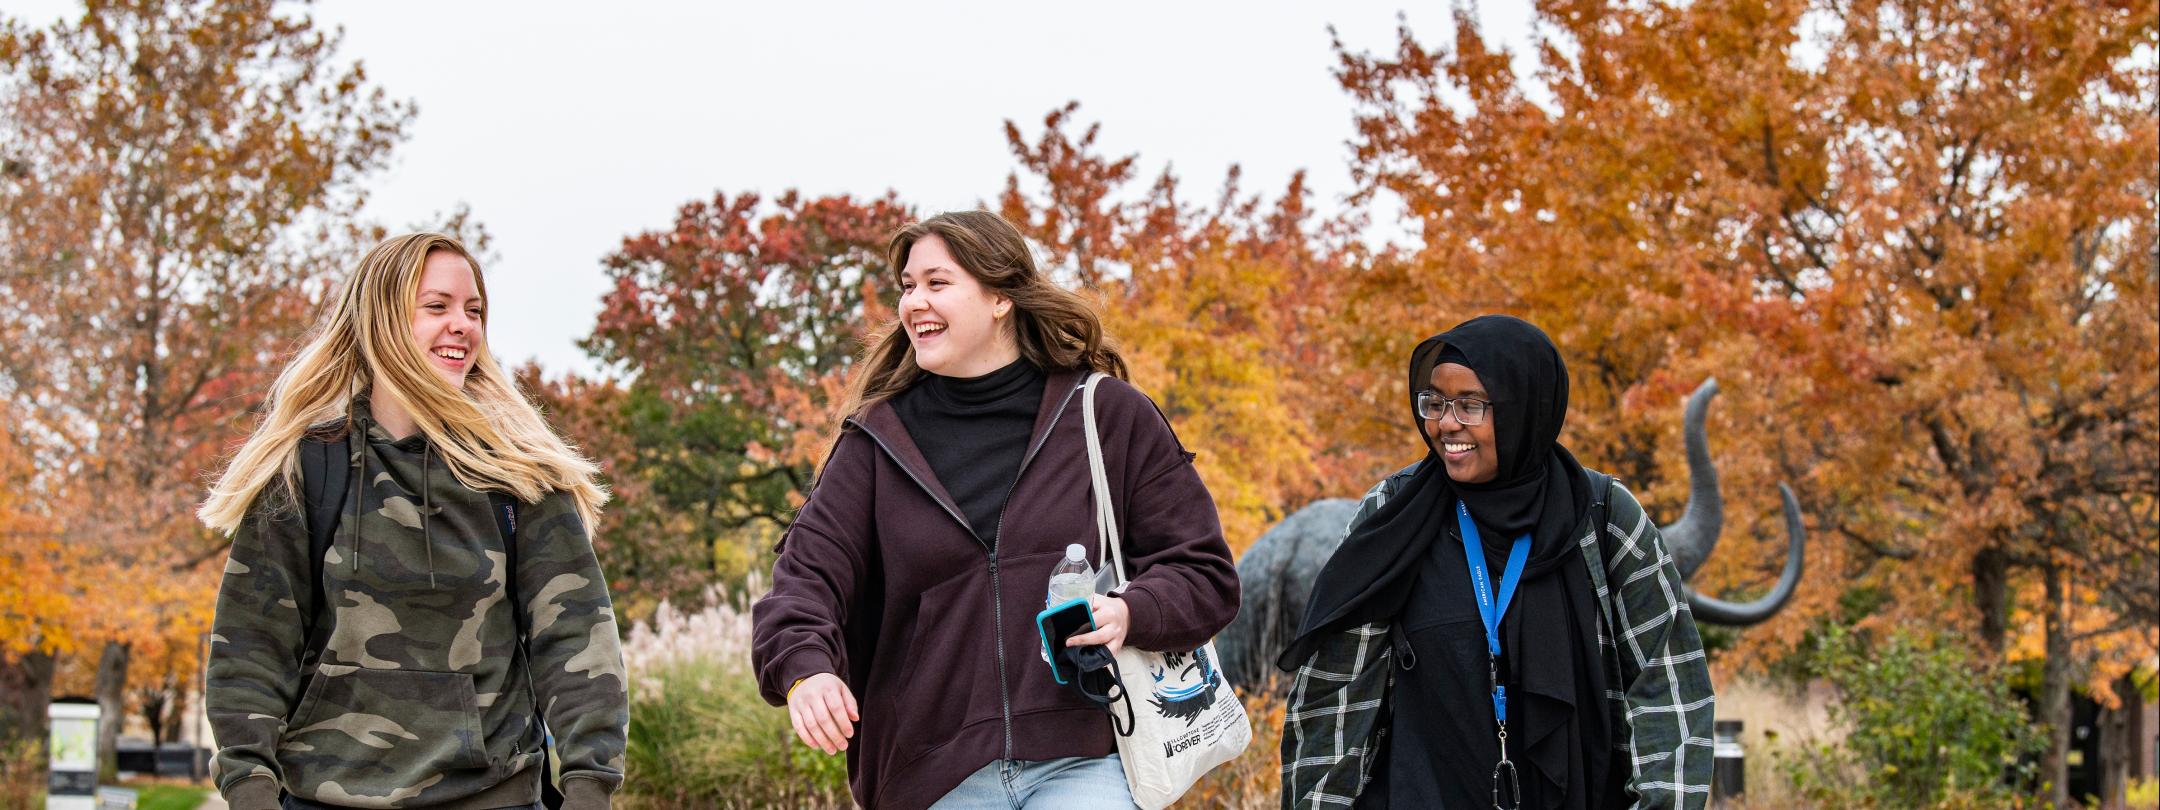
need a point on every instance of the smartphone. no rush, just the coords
(1058, 623)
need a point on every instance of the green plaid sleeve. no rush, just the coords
(1331, 724)
(1329, 729)
(1665, 678)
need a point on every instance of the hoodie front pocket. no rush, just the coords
(382, 734)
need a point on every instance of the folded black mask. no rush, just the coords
(1098, 682)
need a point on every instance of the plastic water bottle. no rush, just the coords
(1072, 578)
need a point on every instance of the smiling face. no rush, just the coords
(1470, 452)
(449, 321)
(959, 327)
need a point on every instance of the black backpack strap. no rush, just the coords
(504, 505)
(505, 508)
(1601, 510)
(1601, 488)
(325, 475)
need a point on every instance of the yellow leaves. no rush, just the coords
(33, 609)
(35, 564)
(1206, 340)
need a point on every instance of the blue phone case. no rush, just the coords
(1042, 630)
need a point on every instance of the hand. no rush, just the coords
(1112, 620)
(823, 712)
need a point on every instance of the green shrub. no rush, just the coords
(700, 736)
(1925, 726)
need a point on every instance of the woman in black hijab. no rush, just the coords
(1456, 651)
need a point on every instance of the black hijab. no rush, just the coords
(1540, 487)
(1541, 490)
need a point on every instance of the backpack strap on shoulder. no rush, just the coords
(504, 506)
(1595, 554)
(1601, 486)
(325, 475)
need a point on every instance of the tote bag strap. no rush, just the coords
(1108, 548)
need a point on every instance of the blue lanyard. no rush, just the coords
(1488, 609)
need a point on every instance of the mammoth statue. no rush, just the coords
(1278, 571)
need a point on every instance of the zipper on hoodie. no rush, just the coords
(997, 592)
(997, 597)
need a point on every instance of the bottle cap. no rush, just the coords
(1076, 552)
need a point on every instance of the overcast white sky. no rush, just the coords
(567, 127)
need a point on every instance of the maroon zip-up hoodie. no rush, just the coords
(881, 582)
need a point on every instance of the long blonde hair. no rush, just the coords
(492, 437)
(1057, 329)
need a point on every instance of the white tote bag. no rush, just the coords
(1186, 719)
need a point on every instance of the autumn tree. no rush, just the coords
(1916, 238)
(1226, 313)
(177, 174)
(730, 333)
(33, 612)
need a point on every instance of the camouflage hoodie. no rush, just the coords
(422, 698)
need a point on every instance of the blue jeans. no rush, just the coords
(1073, 783)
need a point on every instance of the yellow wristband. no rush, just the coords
(791, 690)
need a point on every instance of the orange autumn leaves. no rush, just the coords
(177, 178)
(1916, 241)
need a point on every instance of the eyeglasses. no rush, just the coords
(1431, 405)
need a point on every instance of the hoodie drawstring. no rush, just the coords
(427, 527)
(359, 485)
(427, 512)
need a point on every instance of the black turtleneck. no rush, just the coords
(974, 432)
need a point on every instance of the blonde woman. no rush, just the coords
(397, 637)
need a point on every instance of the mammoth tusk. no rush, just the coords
(1695, 535)
(1718, 611)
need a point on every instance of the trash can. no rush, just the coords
(1728, 771)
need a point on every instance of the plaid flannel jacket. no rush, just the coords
(1339, 701)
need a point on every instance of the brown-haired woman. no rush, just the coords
(900, 627)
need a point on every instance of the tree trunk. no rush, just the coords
(25, 692)
(1991, 597)
(153, 713)
(175, 713)
(2120, 732)
(112, 707)
(2055, 691)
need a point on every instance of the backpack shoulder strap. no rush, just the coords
(325, 475)
(1596, 554)
(1601, 486)
(505, 508)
